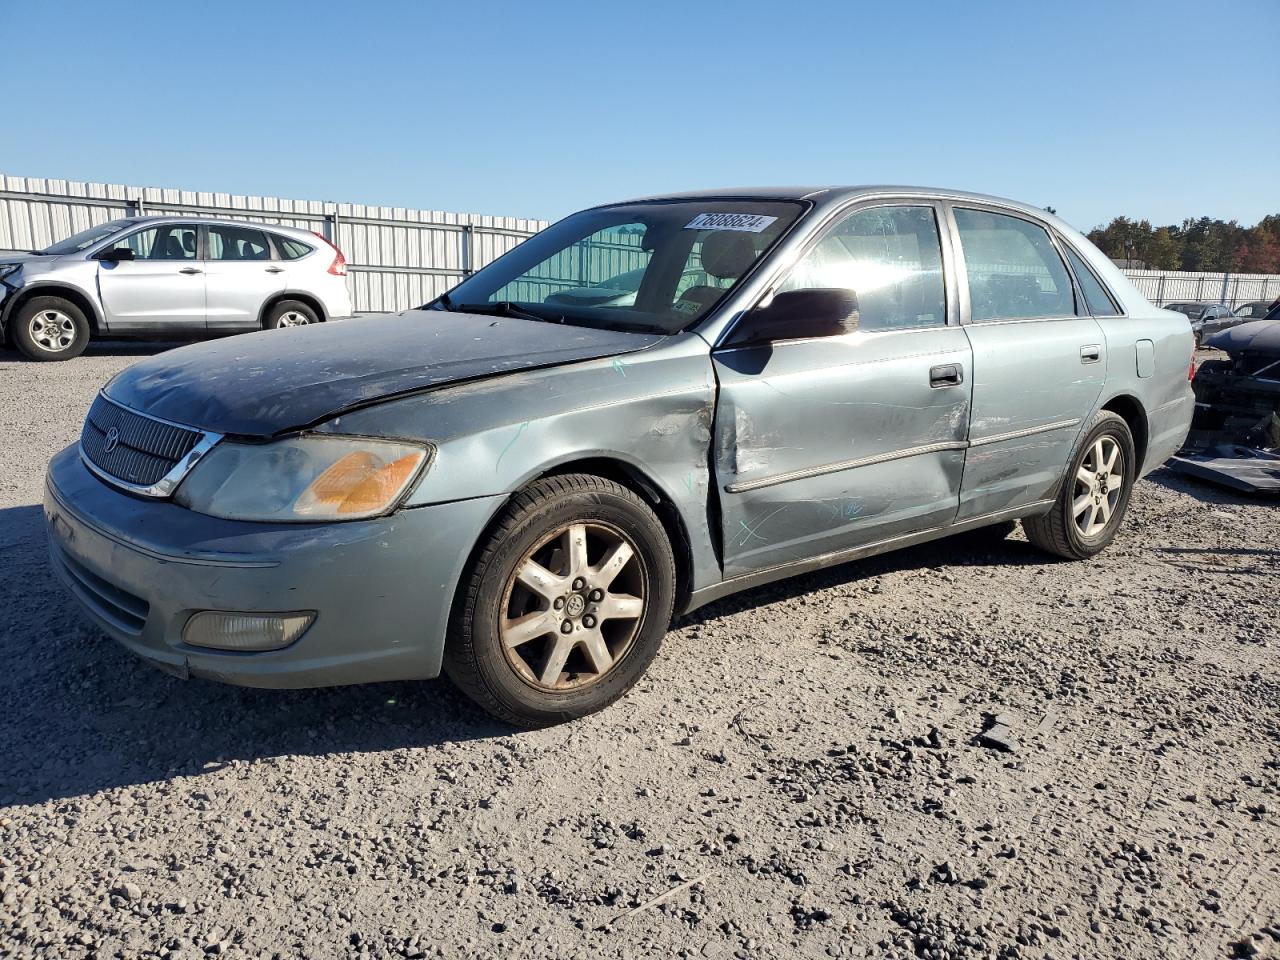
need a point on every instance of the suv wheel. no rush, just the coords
(289, 313)
(1093, 496)
(567, 602)
(50, 328)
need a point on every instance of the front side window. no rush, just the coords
(1095, 294)
(237, 243)
(169, 241)
(1014, 271)
(891, 257)
(655, 267)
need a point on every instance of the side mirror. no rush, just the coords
(802, 314)
(116, 254)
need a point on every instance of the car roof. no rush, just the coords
(216, 221)
(835, 193)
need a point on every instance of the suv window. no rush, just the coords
(169, 241)
(1014, 271)
(290, 249)
(1095, 294)
(891, 257)
(237, 243)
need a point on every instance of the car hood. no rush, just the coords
(262, 384)
(8, 258)
(1256, 336)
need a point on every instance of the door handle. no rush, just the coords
(1090, 353)
(946, 375)
(190, 270)
(275, 269)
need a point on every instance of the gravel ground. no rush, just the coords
(802, 768)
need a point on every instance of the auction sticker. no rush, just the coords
(744, 222)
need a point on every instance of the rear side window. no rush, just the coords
(237, 243)
(1095, 294)
(1014, 271)
(290, 249)
(890, 257)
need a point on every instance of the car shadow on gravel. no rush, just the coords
(978, 548)
(110, 348)
(79, 714)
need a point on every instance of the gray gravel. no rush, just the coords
(961, 750)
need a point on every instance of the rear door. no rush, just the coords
(827, 444)
(242, 273)
(1039, 363)
(162, 287)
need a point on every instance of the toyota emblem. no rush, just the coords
(113, 440)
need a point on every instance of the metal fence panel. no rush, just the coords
(1171, 286)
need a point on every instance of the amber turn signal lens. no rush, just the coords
(359, 483)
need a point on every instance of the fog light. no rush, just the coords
(245, 631)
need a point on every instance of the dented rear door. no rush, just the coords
(823, 445)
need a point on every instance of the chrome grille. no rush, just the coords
(135, 450)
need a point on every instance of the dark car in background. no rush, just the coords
(1206, 318)
(1253, 310)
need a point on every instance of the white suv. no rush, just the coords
(168, 277)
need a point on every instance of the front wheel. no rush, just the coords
(50, 328)
(566, 603)
(1093, 496)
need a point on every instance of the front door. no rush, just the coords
(828, 444)
(1038, 362)
(240, 276)
(161, 288)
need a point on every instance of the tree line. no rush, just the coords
(1207, 245)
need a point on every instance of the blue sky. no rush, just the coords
(1157, 110)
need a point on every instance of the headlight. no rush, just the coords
(303, 478)
(9, 269)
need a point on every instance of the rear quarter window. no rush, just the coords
(1096, 296)
(290, 249)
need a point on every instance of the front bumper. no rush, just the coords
(381, 589)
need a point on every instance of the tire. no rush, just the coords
(524, 681)
(289, 313)
(49, 328)
(1078, 536)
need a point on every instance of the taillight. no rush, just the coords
(1191, 370)
(339, 266)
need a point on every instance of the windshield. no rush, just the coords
(86, 238)
(655, 267)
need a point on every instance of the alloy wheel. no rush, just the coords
(573, 606)
(1099, 481)
(52, 330)
(292, 318)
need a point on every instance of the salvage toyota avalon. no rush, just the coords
(521, 483)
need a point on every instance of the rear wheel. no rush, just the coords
(290, 313)
(1093, 496)
(50, 328)
(566, 604)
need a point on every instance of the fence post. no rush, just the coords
(134, 208)
(468, 249)
(331, 223)
(1226, 278)
(1160, 289)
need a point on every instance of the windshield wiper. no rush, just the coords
(505, 308)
